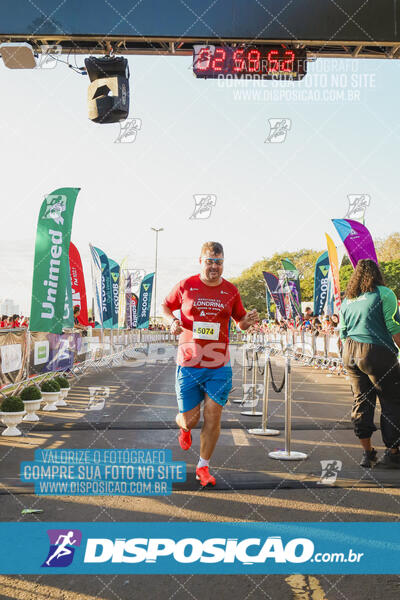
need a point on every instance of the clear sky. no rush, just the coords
(197, 137)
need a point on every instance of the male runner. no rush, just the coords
(206, 302)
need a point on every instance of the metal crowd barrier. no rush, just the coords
(21, 363)
(321, 351)
(294, 347)
(249, 392)
(263, 430)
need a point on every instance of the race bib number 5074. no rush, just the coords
(205, 331)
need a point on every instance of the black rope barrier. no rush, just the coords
(276, 389)
(259, 368)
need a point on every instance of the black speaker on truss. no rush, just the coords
(108, 93)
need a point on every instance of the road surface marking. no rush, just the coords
(305, 587)
(239, 437)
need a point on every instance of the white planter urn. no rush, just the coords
(31, 406)
(51, 399)
(11, 420)
(63, 395)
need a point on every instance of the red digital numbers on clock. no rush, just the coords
(253, 62)
(278, 64)
(203, 59)
(273, 60)
(288, 61)
(218, 61)
(238, 60)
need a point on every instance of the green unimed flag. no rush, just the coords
(51, 307)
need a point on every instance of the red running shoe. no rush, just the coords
(203, 475)
(185, 439)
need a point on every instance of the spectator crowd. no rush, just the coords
(11, 322)
(316, 325)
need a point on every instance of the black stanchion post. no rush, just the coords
(263, 430)
(288, 405)
(288, 454)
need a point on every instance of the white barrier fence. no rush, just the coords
(26, 355)
(323, 350)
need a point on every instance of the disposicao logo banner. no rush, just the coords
(207, 548)
(114, 274)
(146, 290)
(105, 293)
(51, 289)
(321, 274)
(78, 283)
(356, 239)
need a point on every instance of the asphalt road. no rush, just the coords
(139, 413)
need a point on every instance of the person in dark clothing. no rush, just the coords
(370, 330)
(77, 321)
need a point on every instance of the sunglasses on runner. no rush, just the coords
(210, 261)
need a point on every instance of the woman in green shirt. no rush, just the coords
(370, 330)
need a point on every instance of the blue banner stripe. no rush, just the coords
(214, 548)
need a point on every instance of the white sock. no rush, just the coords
(202, 463)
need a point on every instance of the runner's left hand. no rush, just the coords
(252, 317)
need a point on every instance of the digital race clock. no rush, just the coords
(249, 62)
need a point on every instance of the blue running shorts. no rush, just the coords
(192, 384)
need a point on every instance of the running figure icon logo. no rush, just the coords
(358, 204)
(48, 56)
(62, 547)
(252, 394)
(278, 129)
(330, 470)
(128, 131)
(203, 205)
(56, 205)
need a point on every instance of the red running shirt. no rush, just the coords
(205, 313)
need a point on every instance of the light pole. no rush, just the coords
(157, 230)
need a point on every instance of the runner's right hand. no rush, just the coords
(176, 327)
